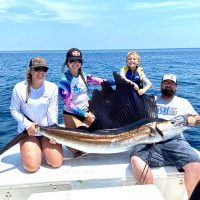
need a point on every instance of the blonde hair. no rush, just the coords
(29, 82)
(134, 53)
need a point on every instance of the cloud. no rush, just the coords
(5, 4)
(40, 13)
(65, 12)
(164, 4)
(78, 12)
(83, 12)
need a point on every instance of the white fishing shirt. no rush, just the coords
(170, 108)
(41, 108)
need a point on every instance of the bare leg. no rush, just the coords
(53, 152)
(71, 122)
(142, 174)
(31, 153)
(191, 176)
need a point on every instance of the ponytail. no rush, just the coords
(83, 78)
(29, 81)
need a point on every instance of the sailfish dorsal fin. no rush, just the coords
(121, 106)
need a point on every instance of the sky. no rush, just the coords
(99, 24)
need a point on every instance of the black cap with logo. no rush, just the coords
(74, 54)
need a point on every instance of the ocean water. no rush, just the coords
(185, 63)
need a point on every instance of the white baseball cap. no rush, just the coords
(171, 77)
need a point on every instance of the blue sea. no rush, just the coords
(185, 63)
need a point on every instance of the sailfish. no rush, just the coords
(123, 119)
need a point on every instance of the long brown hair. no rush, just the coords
(80, 71)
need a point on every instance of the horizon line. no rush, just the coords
(101, 49)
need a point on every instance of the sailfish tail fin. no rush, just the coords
(14, 141)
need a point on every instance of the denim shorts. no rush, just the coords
(174, 152)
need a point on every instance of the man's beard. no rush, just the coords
(168, 92)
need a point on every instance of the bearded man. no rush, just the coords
(175, 151)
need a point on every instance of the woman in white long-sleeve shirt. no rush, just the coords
(35, 101)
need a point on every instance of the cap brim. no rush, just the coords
(38, 66)
(168, 80)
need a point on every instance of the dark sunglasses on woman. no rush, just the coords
(37, 69)
(79, 60)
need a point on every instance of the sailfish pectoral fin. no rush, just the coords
(159, 131)
(153, 131)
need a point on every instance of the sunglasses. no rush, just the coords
(37, 69)
(79, 61)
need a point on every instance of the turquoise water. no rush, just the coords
(185, 63)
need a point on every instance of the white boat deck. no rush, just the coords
(90, 172)
(136, 192)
